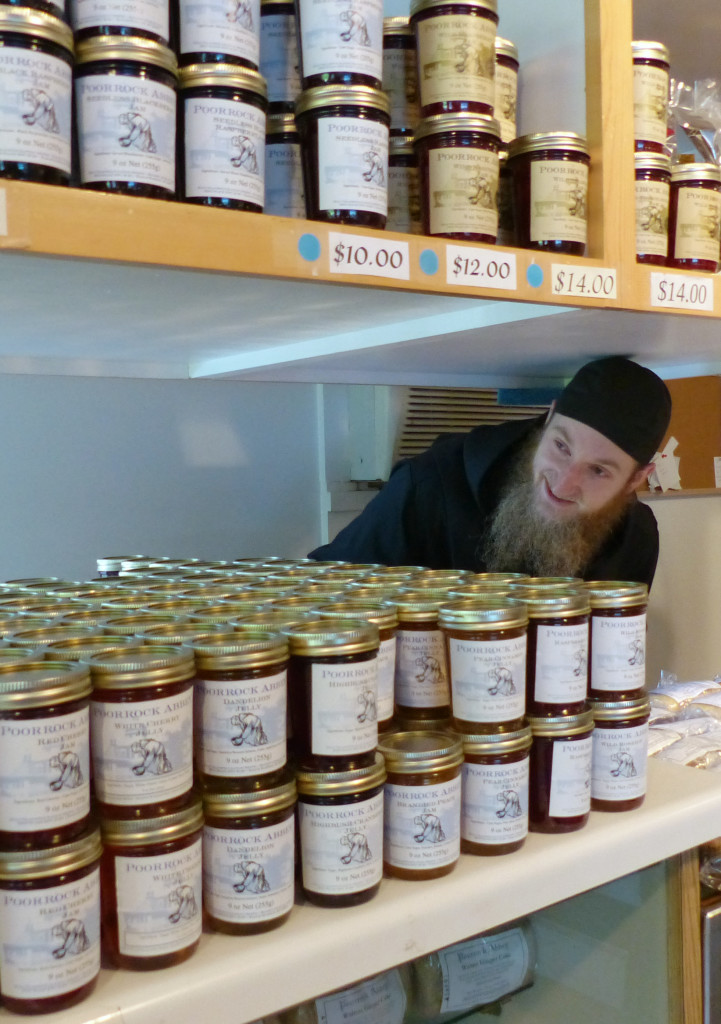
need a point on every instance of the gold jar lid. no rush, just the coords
(498, 577)
(616, 593)
(297, 573)
(42, 635)
(543, 582)
(477, 613)
(382, 614)
(396, 572)
(281, 124)
(323, 96)
(224, 611)
(647, 49)
(8, 652)
(420, 751)
(29, 22)
(28, 865)
(129, 625)
(324, 591)
(353, 567)
(231, 76)
(487, 6)
(652, 162)
(398, 26)
(505, 48)
(12, 623)
(36, 683)
(439, 577)
(177, 606)
(418, 605)
(145, 51)
(696, 172)
(561, 725)
(33, 583)
(21, 603)
(165, 828)
(540, 141)
(246, 805)
(358, 780)
(295, 602)
(619, 710)
(84, 617)
(486, 591)
(497, 743)
(550, 603)
(146, 665)
(129, 602)
(329, 637)
(81, 647)
(175, 633)
(228, 651)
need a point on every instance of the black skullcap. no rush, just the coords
(625, 402)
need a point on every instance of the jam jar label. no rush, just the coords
(571, 778)
(561, 664)
(456, 59)
(126, 130)
(221, 26)
(147, 15)
(400, 81)
(284, 194)
(506, 97)
(240, 727)
(50, 938)
(248, 874)
(386, 678)
(35, 108)
(423, 825)
(618, 653)
(652, 217)
(341, 845)
(488, 679)
(380, 1000)
(336, 35)
(559, 191)
(495, 802)
(404, 200)
(344, 714)
(698, 224)
(422, 669)
(279, 57)
(463, 187)
(483, 970)
(159, 901)
(142, 750)
(619, 762)
(650, 103)
(44, 772)
(352, 165)
(224, 150)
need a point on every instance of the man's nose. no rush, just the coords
(568, 481)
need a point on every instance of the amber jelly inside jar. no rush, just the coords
(400, 75)
(620, 754)
(52, 894)
(422, 686)
(340, 826)
(249, 858)
(152, 887)
(694, 217)
(558, 639)
(653, 187)
(347, 126)
(549, 174)
(422, 814)
(456, 43)
(650, 95)
(617, 649)
(494, 795)
(36, 61)
(559, 797)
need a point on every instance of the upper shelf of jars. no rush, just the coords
(153, 288)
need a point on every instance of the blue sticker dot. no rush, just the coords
(534, 275)
(309, 247)
(429, 262)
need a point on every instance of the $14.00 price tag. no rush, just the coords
(480, 268)
(356, 254)
(583, 282)
(682, 291)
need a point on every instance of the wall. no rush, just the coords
(213, 469)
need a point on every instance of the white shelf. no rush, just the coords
(239, 979)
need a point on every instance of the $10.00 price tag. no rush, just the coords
(583, 282)
(356, 254)
(480, 268)
(682, 291)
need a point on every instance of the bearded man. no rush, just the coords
(553, 496)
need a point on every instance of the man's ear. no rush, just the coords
(638, 477)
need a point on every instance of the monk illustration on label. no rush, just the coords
(138, 134)
(368, 712)
(511, 804)
(252, 877)
(358, 849)
(68, 765)
(502, 681)
(431, 829)
(183, 900)
(73, 937)
(40, 110)
(153, 758)
(251, 732)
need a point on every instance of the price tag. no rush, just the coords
(356, 254)
(682, 291)
(480, 268)
(583, 282)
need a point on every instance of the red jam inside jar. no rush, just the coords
(617, 648)
(558, 631)
(560, 772)
(400, 76)
(653, 187)
(650, 95)
(694, 219)
(620, 754)
(422, 683)
(494, 800)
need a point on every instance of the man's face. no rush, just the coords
(578, 471)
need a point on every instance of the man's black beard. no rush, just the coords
(520, 539)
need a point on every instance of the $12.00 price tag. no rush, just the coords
(682, 291)
(480, 268)
(583, 282)
(358, 254)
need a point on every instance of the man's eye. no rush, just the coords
(599, 471)
(560, 445)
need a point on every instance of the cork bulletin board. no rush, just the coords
(696, 425)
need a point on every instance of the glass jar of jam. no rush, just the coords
(617, 656)
(344, 132)
(557, 669)
(650, 95)
(333, 692)
(549, 175)
(694, 217)
(506, 227)
(249, 858)
(560, 772)
(45, 763)
(494, 793)
(458, 167)
(284, 196)
(222, 132)
(400, 75)
(506, 88)
(152, 887)
(653, 187)
(36, 61)
(149, 19)
(404, 188)
(423, 688)
(279, 61)
(50, 925)
(422, 815)
(240, 706)
(141, 729)
(219, 32)
(620, 754)
(340, 45)
(125, 100)
(456, 43)
(340, 827)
